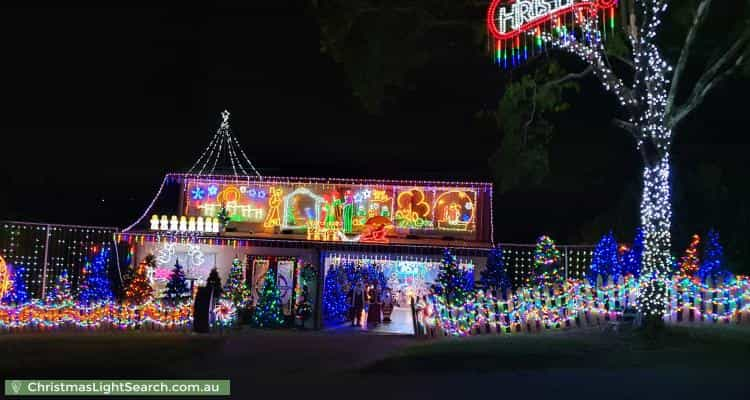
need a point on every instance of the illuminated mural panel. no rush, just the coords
(327, 211)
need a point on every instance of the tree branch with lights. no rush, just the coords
(650, 103)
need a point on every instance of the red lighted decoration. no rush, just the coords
(517, 25)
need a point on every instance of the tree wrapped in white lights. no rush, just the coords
(650, 103)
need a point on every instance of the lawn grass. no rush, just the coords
(694, 347)
(99, 353)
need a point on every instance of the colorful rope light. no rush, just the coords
(576, 302)
(107, 314)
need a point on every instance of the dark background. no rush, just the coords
(99, 103)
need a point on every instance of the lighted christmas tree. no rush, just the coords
(17, 293)
(713, 260)
(236, 287)
(139, 290)
(453, 280)
(60, 293)
(335, 306)
(303, 306)
(546, 262)
(267, 312)
(223, 216)
(177, 287)
(494, 275)
(634, 256)
(605, 261)
(214, 282)
(690, 262)
(94, 284)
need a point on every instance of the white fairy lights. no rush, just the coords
(646, 103)
(224, 142)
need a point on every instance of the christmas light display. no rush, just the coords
(6, 284)
(306, 277)
(94, 284)
(61, 293)
(236, 287)
(605, 262)
(546, 261)
(455, 283)
(518, 26)
(17, 294)
(267, 312)
(106, 315)
(651, 106)
(177, 287)
(633, 257)
(494, 276)
(335, 305)
(712, 266)
(336, 206)
(139, 290)
(225, 313)
(690, 261)
(45, 250)
(222, 141)
(576, 303)
(186, 225)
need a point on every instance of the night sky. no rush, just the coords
(100, 103)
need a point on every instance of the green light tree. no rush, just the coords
(268, 309)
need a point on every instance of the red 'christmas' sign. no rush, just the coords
(508, 20)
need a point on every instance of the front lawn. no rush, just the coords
(694, 347)
(99, 353)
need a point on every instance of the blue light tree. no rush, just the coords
(18, 293)
(713, 260)
(95, 286)
(634, 257)
(494, 275)
(605, 261)
(456, 284)
(335, 306)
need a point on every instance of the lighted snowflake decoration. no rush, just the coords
(213, 190)
(366, 193)
(469, 206)
(198, 193)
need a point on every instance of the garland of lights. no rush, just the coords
(576, 302)
(99, 315)
(646, 102)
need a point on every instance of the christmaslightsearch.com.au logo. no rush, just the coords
(32, 387)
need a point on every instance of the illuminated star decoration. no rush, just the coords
(213, 190)
(198, 193)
